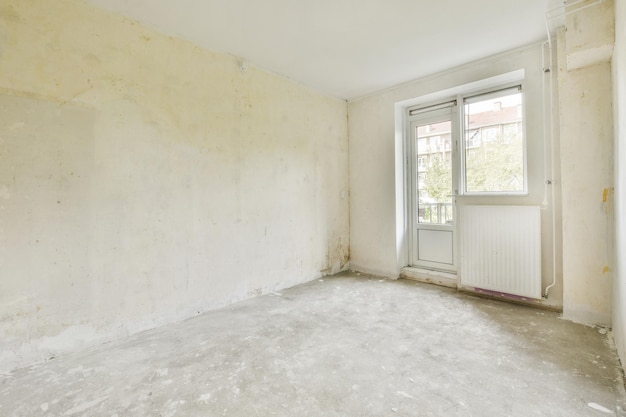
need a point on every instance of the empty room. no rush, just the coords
(330, 208)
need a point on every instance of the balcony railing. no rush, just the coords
(438, 213)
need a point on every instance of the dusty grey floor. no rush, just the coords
(343, 346)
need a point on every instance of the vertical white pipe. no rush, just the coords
(550, 181)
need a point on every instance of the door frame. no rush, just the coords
(401, 155)
(444, 110)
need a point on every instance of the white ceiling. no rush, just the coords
(347, 48)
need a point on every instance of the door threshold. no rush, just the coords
(445, 279)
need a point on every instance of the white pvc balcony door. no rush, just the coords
(433, 188)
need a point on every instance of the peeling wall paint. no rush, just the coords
(144, 180)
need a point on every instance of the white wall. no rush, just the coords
(619, 112)
(586, 124)
(374, 213)
(144, 180)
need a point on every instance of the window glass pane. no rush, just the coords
(434, 173)
(494, 144)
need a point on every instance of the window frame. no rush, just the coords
(495, 91)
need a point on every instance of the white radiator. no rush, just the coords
(500, 248)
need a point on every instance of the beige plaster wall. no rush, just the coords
(144, 180)
(619, 114)
(586, 125)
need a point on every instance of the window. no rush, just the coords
(472, 138)
(463, 141)
(486, 131)
(495, 162)
(420, 179)
(511, 131)
(446, 143)
(422, 145)
(490, 134)
(435, 143)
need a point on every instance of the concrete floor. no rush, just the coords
(342, 346)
